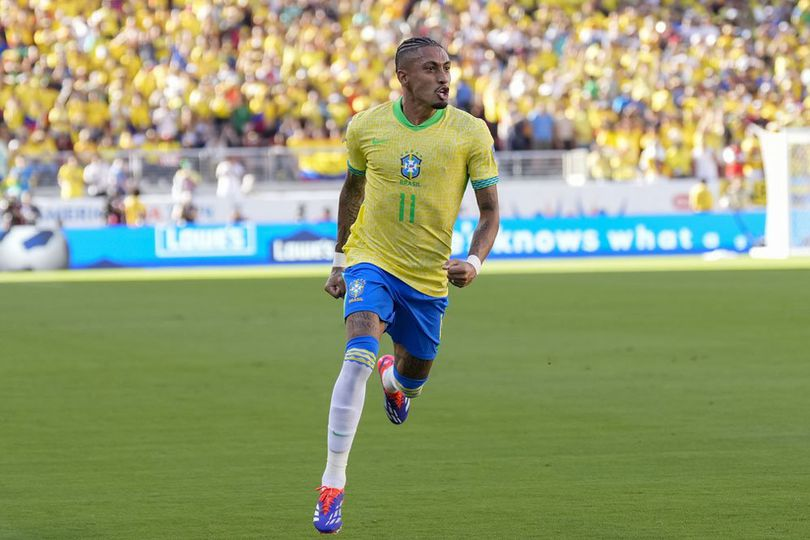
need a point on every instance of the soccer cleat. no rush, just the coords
(396, 403)
(329, 510)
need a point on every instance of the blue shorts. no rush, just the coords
(414, 319)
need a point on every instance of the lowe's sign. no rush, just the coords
(206, 241)
(303, 247)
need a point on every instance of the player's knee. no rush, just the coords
(409, 386)
(362, 350)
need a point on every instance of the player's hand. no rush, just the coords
(335, 285)
(459, 273)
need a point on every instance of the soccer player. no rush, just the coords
(409, 164)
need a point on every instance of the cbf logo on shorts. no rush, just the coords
(411, 165)
(356, 289)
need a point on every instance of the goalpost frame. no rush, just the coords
(778, 211)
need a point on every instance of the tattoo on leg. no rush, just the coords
(364, 323)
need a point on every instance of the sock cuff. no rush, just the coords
(407, 382)
(362, 350)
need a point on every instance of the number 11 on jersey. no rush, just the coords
(402, 208)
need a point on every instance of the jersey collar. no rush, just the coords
(400, 115)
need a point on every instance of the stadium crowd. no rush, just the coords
(653, 89)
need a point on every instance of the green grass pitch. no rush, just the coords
(566, 403)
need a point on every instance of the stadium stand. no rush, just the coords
(652, 89)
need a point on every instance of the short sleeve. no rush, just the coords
(481, 166)
(357, 159)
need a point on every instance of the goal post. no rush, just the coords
(786, 158)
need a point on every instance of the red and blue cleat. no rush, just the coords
(396, 403)
(329, 510)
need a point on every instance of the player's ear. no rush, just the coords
(402, 77)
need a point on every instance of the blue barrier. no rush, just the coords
(618, 236)
(250, 244)
(205, 245)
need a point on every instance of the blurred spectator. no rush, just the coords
(10, 213)
(563, 131)
(705, 163)
(114, 209)
(248, 183)
(96, 177)
(117, 176)
(185, 182)
(229, 174)
(651, 163)
(134, 209)
(733, 162)
(4, 152)
(736, 196)
(520, 135)
(678, 159)
(184, 211)
(542, 123)
(71, 179)
(599, 163)
(700, 197)
(237, 216)
(28, 210)
(21, 176)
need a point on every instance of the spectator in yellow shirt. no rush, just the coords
(678, 160)
(700, 198)
(71, 179)
(134, 209)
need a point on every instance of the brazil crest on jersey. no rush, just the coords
(415, 179)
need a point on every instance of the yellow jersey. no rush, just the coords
(415, 179)
(134, 211)
(71, 181)
(700, 198)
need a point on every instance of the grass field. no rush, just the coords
(567, 403)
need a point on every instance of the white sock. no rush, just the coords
(335, 473)
(389, 382)
(344, 416)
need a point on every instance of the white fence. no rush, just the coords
(518, 199)
(282, 166)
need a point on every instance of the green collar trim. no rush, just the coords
(400, 115)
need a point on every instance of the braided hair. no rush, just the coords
(411, 45)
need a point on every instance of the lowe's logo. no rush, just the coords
(206, 241)
(303, 247)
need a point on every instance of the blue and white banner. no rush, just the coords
(617, 236)
(251, 244)
(206, 245)
(205, 242)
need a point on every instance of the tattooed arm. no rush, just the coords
(351, 197)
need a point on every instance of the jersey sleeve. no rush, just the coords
(481, 166)
(357, 159)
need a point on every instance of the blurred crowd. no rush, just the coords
(653, 89)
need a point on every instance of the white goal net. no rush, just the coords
(786, 156)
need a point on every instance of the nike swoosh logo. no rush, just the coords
(379, 141)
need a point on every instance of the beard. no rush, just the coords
(440, 105)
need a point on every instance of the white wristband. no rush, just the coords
(476, 262)
(339, 261)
